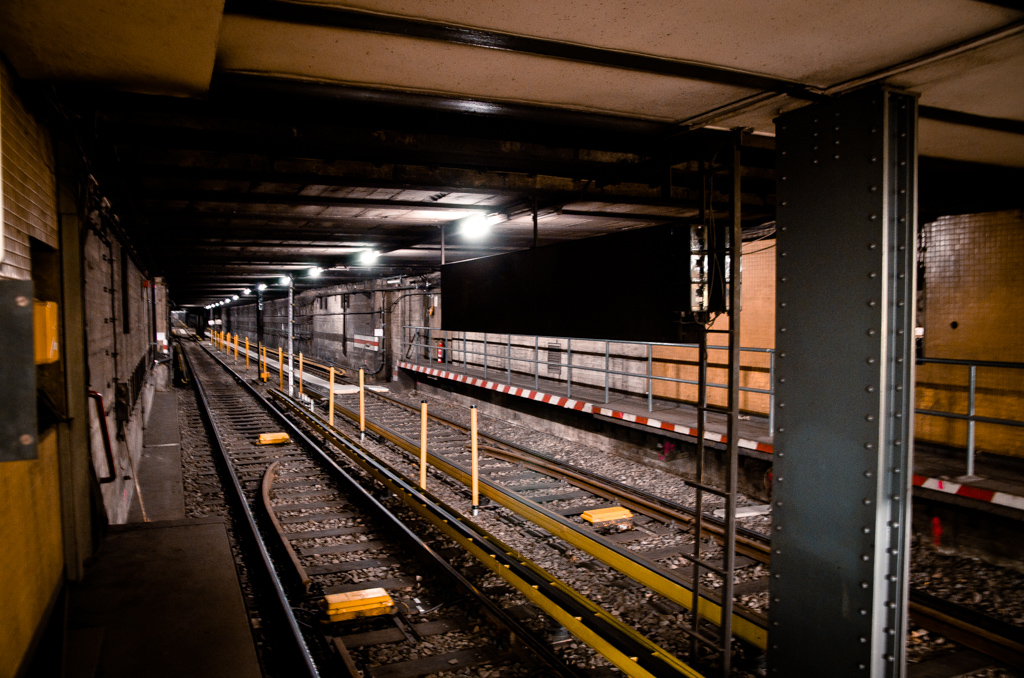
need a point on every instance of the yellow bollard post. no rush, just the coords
(263, 361)
(300, 372)
(423, 444)
(226, 344)
(475, 464)
(280, 368)
(236, 348)
(362, 405)
(330, 398)
(213, 339)
(247, 354)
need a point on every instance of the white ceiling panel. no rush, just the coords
(819, 42)
(986, 81)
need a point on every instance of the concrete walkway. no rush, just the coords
(159, 468)
(161, 600)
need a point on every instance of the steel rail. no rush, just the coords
(265, 489)
(621, 644)
(632, 652)
(331, 466)
(749, 542)
(975, 630)
(748, 625)
(756, 546)
(981, 633)
(281, 598)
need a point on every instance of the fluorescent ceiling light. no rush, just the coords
(477, 225)
(367, 257)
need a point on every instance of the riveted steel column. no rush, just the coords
(847, 207)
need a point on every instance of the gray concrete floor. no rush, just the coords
(161, 600)
(159, 468)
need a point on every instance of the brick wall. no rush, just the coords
(973, 309)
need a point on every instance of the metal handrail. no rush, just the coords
(972, 418)
(108, 449)
(410, 346)
(450, 356)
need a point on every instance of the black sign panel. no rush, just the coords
(631, 286)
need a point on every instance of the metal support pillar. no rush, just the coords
(732, 427)
(847, 208)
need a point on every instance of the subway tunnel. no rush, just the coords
(671, 338)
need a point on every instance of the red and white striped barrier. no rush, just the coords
(970, 492)
(581, 406)
(949, 487)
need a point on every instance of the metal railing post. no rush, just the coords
(509, 357)
(970, 422)
(485, 356)
(536, 363)
(568, 374)
(607, 367)
(447, 348)
(650, 371)
(771, 393)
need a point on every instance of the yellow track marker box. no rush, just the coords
(614, 515)
(364, 603)
(274, 438)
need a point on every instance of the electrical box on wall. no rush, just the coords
(18, 428)
(46, 327)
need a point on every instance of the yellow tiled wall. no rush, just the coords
(974, 309)
(32, 556)
(757, 329)
(31, 542)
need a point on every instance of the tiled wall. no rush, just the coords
(973, 309)
(29, 186)
(31, 551)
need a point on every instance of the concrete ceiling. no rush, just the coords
(320, 128)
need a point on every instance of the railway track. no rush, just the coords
(508, 469)
(320, 533)
(554, 496)
(288, 484)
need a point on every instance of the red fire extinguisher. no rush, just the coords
(440, 351)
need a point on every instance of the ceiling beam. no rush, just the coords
(970, 120)
(237, 198)
(354, 19)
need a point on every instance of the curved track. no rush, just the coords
(318, 531)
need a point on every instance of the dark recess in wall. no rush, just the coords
(631, 286)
